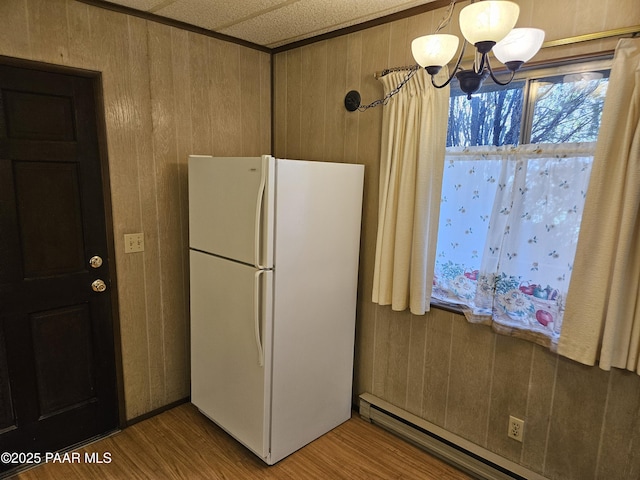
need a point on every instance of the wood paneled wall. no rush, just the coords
(167, 93)
(581, 422)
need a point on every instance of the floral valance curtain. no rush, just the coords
(508, 230)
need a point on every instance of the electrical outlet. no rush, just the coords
(133, 242)
(516, 428)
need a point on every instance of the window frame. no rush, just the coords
(529, 74)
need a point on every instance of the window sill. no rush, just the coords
(447, 307)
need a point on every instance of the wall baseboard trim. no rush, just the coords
(157, 411)
(453, 449)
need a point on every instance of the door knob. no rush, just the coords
(95, 261)
(98, 286)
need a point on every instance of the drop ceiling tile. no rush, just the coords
(271, 23)
(216, 14)
(312, 17)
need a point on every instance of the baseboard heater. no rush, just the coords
(457, 451)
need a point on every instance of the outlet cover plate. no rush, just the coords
(516, 428)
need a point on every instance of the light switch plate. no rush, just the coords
(133, 242)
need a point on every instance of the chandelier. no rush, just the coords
(488, 26)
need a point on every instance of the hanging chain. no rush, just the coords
(412, 69)
(447, 16)
(383, 101)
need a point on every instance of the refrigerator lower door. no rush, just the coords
(230, 347)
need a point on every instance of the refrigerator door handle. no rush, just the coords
(257, 303)
(259, 202)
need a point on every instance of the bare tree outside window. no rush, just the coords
(491, 117)
(568, 108)
(565, 109)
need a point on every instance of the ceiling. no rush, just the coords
(271, 23)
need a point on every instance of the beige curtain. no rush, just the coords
(414, 133)
(602, 316)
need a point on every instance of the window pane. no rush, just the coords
(491, 117)
(568, 108)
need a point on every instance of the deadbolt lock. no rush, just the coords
(95, 261)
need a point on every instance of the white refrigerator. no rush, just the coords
(274, 248)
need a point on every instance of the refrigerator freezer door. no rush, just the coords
(229, 371)
(231, 207)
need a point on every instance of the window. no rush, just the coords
(544, 107)
(515, 178)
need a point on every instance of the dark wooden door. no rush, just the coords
(57, 363)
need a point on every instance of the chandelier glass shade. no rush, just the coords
(520, 45)
(434, 50)
(488, 21)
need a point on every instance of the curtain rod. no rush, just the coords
(616, 32)
(387, 71)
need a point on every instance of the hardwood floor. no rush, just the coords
(183, 444)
